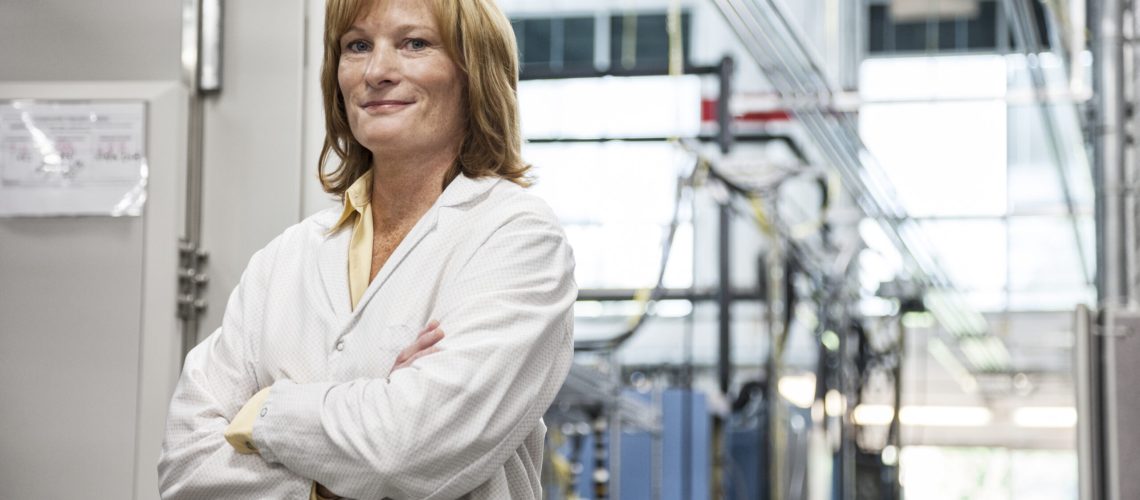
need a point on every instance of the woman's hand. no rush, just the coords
(422, 346)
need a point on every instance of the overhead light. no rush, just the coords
(830, 340)
(945, 416)
(1045, 417)
(924, 10)
(798, 389)
(834, 403)
(868, 415)
(926, 416)
(890, 455)
(672, 308)
(918, 320)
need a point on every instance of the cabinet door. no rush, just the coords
(88, 332)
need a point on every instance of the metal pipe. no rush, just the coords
(1089, 461)
(724, 297)
(895, 438)
(723, 111)
(191, 67)
(1112, 269)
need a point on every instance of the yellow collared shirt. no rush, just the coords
(358, 209)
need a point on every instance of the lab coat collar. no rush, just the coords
(333, 254)
(464, 190)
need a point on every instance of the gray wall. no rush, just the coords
(75, 40)
(79, 418)
(253, 147)
(88, 334)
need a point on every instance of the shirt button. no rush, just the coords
(340, 346)
(264, 411)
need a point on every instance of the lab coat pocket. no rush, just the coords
(369, 351)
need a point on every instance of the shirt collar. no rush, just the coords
(356, 198)
(460, 191)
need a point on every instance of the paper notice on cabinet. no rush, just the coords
(60, 158)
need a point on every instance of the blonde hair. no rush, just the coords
(478, 37)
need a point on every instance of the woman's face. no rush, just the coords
(402, 93)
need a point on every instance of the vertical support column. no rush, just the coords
(1090, 462)
(1111, 270)
(723, 110)
(852, 26)
(202, 75)
(724, 291)
(724, 298)
(895, 438)
(724, 344)
(846, 389)
(191, 70)
(775, 300)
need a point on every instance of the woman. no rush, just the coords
(321, 381)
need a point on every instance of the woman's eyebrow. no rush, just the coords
(409, 27)
(400, 28)
(353, 30)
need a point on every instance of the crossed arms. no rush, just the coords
(437, 429)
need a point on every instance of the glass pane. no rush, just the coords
(1034, 185)
(911, 36)
(927, 78)
(611, 107)
(1044, 474)
(944, 158)
(536, 42)
(1045, 266)
(615, 201)
(983, 29)
(578, 42)
(971, 251)
(1036, 150)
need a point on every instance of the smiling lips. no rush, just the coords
(385, 105)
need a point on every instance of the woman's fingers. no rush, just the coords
(423, 345)
(424, 341)
(432, 325)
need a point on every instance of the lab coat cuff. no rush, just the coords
(291, 411)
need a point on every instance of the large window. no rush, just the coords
(942, 26)
(632, 41)
(965, 153)
(556, 43)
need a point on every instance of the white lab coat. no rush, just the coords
(488, 260)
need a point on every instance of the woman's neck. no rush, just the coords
(405, 186)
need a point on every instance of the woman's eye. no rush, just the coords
(417, 44)
(357, 46)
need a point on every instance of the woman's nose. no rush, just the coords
(382, 68)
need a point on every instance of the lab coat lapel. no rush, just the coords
(423, 227)
(461, 191)
(332, 256)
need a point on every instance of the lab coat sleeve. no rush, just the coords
(217, 379)
(443, 426)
